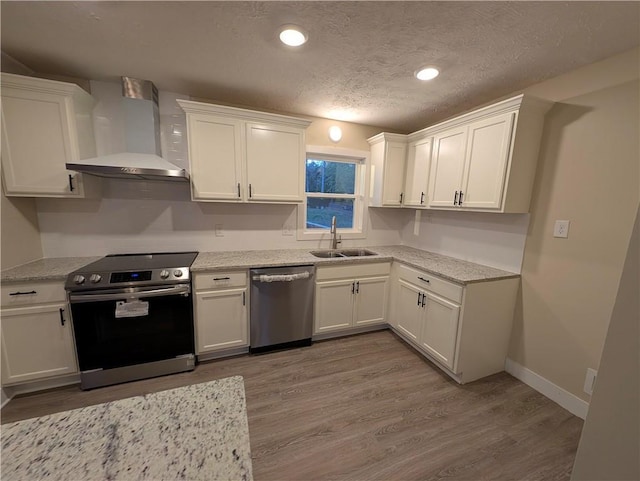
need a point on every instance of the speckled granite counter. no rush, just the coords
(455, 270)
(55, 268)
(197, 432)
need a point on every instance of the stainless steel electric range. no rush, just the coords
(132, 317)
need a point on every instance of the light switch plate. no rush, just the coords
(561, 229)
(590, 380)
(219, 230)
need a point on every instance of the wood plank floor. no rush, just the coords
(368, 407)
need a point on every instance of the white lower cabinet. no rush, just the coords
(221, 311)
(37, 338)
(464, 329)
(349, 297)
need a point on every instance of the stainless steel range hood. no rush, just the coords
(142, 159)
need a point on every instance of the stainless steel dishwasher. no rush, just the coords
(281, 307)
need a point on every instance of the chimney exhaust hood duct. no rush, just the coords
(142, 159)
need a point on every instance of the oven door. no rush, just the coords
(125, 327)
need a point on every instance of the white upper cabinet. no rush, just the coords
(486, 160)
(447, 167)
(417, 173)
(218, 160)
(239, 155)
(45, 124)
(275, 162)
(388, 159)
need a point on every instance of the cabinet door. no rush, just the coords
(275, 163)
(487, 160)
(417, 176)
(215, 157)
(334, 305)
(370, 301)
(440, 328)
(37, 143)
(393, 181)
(409, 310)
(36, 344)
(221, 320)
(447, 166)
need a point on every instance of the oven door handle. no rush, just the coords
(183, 290)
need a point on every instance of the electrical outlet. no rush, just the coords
(561, 229)
(219, 230)
(590, 380)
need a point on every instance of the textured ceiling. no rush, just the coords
(358, 64)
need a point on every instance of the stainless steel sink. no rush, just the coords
(327, 254)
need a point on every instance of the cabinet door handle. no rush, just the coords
(244, 298)
(353, 287)
(238, 190)
(357, 287)
(424, 280)
(62, 316)
(460, 199)
(424, 297)
(455, 198)
(419, 296)
(401, 195)
(422, 198)
(221, 278)
(71, 188)
(250, 194)
(18, 293)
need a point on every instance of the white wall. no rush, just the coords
(495, 240)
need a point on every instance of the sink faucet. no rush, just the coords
(334, 234)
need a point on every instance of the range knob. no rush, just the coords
(177, 273)
(164, 274)
(95, 278)
(78, 279)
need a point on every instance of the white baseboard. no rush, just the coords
(570, 402)
(8, 392)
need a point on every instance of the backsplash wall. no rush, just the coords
(495, 240)
(137, 216)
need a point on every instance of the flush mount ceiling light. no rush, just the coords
(293, 35)
(335, 133)
(427, 73)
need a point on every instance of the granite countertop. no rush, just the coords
(54, 268)
(450, 268)
(197, 432)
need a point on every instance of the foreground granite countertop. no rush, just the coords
(54, 268)
(197, 432)
(450, 268)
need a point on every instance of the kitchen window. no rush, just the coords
(334, 186)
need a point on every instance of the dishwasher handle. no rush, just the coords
(281, 277)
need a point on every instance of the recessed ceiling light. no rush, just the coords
(293, 36)
(427, 73)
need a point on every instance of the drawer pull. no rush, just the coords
(455, 198)
(221, 278)
(422, 198)
(62, 316)
(357, 287)
(71, 188)
(424, 280)
(22, 293)
(419, 297)
(424, 298)
(460, 199)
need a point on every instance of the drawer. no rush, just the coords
(353, 271)
(219, 280)
(430, 282)
(28, 293)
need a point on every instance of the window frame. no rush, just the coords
(336, 154)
